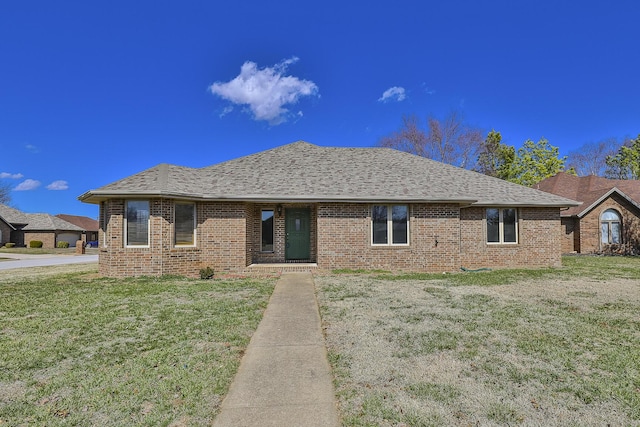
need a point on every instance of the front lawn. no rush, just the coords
(76, 349)
(552, 347)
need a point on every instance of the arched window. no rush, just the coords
(610, 227)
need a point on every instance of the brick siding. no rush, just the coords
(589, 229)
(442, 237)
(344, 232)
(48, 239)
(570, 235)
(538, 240)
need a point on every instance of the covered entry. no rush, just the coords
(297, 234)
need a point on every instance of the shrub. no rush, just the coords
(35, 244)
(206, 273)
(9, 245)
(63, 245)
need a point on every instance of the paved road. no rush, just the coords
(26, 260)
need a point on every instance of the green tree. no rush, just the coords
(536, 161)
(496, 159)
(626, 163)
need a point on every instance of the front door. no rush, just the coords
(298, 233)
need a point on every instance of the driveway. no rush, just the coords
(27, 260)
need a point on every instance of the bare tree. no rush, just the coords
(449, 141)
(410, 138)
(5, 193)
(591, 158)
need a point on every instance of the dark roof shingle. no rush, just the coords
(588, 190)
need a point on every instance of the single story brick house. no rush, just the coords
(334, 208)
(88, 225)
(608, 219)
(21, 228)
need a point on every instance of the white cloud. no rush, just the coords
(226, 111)
(11, 175)
(32, 148)
(58, 185)
(266, 91)
(27, 184)
(394, 93)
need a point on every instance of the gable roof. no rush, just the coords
(590, 190)
(13, 216)
(305, 172)
(84, 222)
(37, 221)
(42, 222)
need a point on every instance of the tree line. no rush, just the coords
(453, 141)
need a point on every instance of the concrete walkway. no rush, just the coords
(284, 378)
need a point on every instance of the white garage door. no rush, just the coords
(72, 238)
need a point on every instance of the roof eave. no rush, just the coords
(605, 196)
(99, 196)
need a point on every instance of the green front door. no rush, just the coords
(298, 234)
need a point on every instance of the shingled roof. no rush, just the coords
(35, 221)
(84, 222)
(590, 190)
(305, 172)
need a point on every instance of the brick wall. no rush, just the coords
(5, 232)
(344, 239)
(442, 237)
(220, 241)
(48, 239)
(539, 240)
(589, 231)
(569, 235)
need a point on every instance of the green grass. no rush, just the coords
(80, 350)
(594, 267)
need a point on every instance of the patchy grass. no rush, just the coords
(593, 267)
(508, 347)
(359, 271)
(82, 350)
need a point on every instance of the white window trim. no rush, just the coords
(609, 222)
(390, 226)
(195, 226)
(501, 228)
(126, 228)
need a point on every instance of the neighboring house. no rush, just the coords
(89, 226)
(608, 219)
(26, 227)
(5, 231)
(337, 208)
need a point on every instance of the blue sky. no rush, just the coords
(91, 92)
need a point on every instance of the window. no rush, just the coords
(185, 224)
(137, 223)
(103, 223)
(610, 226)
(267, 231)
(502, 225)
(390, 225)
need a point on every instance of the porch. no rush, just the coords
(278, 268)
(282, 236)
